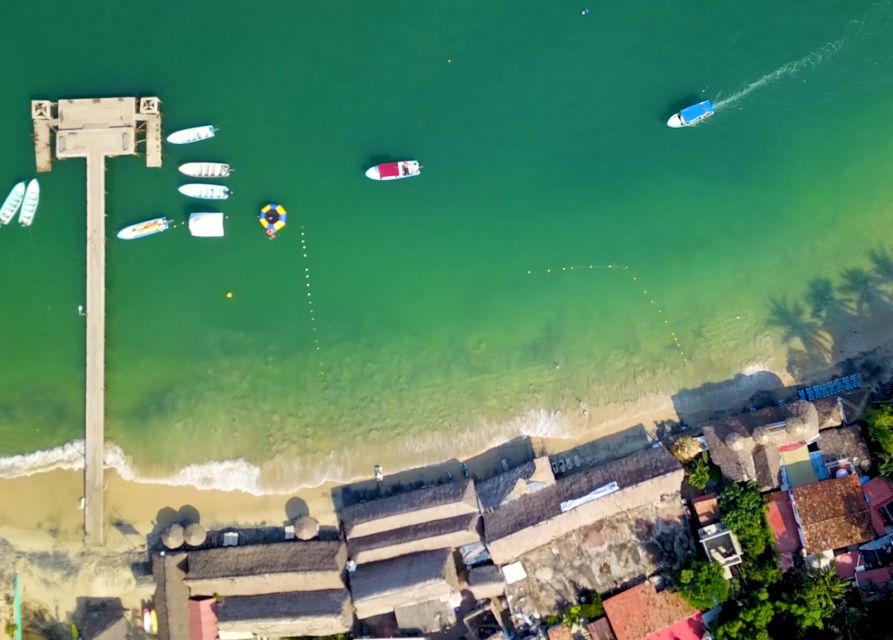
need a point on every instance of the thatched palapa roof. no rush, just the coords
(295, 614)
(845, 442)
(380, 587)
(171, 595)
(486, 582)
(410, 508)
(172, 536)
(195, 534)
(527, 478)
(267, 568)
(536, 519)
(306, 528)
(429, 536)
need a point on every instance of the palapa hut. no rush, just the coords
(171, 595)
(267, 568)
(411, 508)
(195, 535)
(579, 499)
(381, 587)
(278, 615)
(306, 528)
(428, 536)
(172, 536)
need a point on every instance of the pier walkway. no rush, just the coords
(95, 129)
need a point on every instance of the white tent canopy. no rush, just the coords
(206, 225)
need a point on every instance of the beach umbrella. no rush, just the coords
(172, 537)
(195, 534)
(306, 528)
(272, 218)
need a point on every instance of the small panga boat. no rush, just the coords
(206, 224)
(143, 229)
(193, 134)
(29, 205)
(394, 170)
(12, 203)
(205, 191)
(205, 169)
(692, 115)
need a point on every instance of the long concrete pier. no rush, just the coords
(94, 129)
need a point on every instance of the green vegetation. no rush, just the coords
(880, 426)
(589, 608)
(744, 512)
(685, 449)
(699, 472)
(748, 619)
(812, 600)
(703, 585)
(10, 629)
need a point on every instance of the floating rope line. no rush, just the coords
(310, 310)
(634, 279)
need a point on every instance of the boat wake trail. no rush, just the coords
(811, 59)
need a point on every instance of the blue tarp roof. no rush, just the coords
(696, 111)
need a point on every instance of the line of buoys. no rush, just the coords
(620, 268)
(310, 310)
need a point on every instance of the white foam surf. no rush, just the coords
(811, 59)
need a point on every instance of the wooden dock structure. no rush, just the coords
(95, 128)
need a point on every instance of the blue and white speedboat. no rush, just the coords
(692, 115)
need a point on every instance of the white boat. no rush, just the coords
(193, 134)
(394, 170)
(205, 191)
(12, 203)
(205, 169)
(692, 115)
(143, 229)
(206, 224)
(29, 205)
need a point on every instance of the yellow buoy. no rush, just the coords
(229, 295)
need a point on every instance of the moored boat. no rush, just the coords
(193, 134)
(29, 204)
(394, 170)
(143, 229)
(205, 191)
(12, 203)
(205, 169)
(206, 224)
(692, 115)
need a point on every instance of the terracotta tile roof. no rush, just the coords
(600, 630)
(639, 612)
(560, 632)
(833, 514)
(707, 509)
(782, 523)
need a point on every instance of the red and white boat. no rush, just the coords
(394, 170)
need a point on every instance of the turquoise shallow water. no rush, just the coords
(544, 146)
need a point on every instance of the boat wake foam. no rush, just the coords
(811, 59)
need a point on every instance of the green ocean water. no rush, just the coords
(543, 141)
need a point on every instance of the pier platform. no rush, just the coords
(94, 129)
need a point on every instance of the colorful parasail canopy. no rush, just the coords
(273, 218)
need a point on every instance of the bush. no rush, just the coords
(699, 472)
(880, 426)
(703, 585)
(744, 512)
(685, 449)
(813, 599)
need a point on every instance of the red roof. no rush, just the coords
(782, 523)
(203, 619)
(641, 613)
(692, 628)
(389, 169)
(707, 509)
(600, 629)
(874, 577)
(878, 492)
(846, 564)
